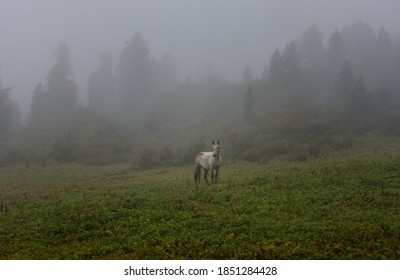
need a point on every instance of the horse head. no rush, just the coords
(216, 148)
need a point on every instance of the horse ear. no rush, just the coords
(213, 142)
(218, 142)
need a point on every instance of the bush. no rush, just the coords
(14, 156)
(151, 158)
(167, 157)
(301, 156)
(148, 159)
(192, 152)
(66, 149)
(253, 155)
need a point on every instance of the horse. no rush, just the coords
(208, 161)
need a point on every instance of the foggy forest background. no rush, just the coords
(315, 98)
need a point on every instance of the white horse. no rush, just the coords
(208, 161)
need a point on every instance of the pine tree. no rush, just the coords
(382, 60)
(166, 77)
(5, 112)
(38, 104)
(134, 72)
(358, 98)
(65, 149)
(359, 41)
(247, 76)
(312, 47)
(336, 53)
(101, 84)
(291, 60)
(248, 105)
(345, 80)
(276, 71)
(383, 45)
(265, 72)
(62, 90)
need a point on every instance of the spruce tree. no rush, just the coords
(291, 60)
(101, 84)
(38, 104)
(5, 112)
(62, 90)
(312, 48)
(358, 98)
(247, 76)
(276, 68)
(336, 53)
(134, 72)
(345, 80)
(248, 105)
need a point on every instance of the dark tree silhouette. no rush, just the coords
(62, 90)
(336, 52)
(345, 80)
(5, 112)
(134, 72)
(101, 84)
(291, 60)
(248, 105)
(38, 105)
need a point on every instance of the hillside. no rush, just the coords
(314, 99)
(343, 208)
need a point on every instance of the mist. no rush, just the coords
(212, 129)
(225, 34)
(143, 77)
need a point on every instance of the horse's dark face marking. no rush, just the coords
(216, 148)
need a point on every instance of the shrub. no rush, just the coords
(13, 156)
(192, 151)
(253, 155)
(66, 149)
(148, 159)
(167, 157)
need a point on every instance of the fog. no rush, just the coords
(227, 34)
(153, 82)
(110, 109)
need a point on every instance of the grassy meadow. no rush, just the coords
(323, 209)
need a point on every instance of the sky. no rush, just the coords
(227, 34)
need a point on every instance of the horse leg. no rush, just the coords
(206, 175)
(216, 174)
(197, 174)
(212, 176)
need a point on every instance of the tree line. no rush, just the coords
(300, 106)
(357, 65)
(135, 79)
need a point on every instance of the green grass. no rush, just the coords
(323, 209)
